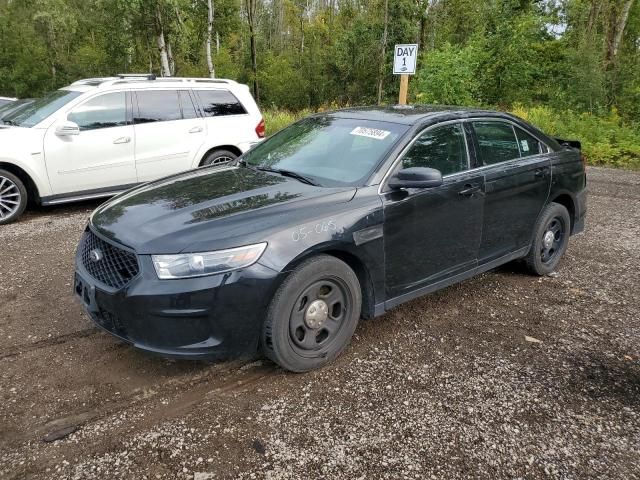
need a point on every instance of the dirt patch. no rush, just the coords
(445, 386)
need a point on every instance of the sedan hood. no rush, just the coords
(207, 209)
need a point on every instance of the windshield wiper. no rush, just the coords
(289, 173)
(10, 122)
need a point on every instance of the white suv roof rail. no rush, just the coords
(146, 77)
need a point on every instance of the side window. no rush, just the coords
(442, 148)
(496, 142)
(108, 110)
(188, 110)
(157, 106)
(217, 103)
(528, 144)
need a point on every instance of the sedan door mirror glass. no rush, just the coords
(67, 128)
(416, 177)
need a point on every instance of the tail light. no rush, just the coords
(261, 129)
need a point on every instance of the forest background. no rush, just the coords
(571, 67)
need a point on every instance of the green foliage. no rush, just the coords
(449, 76)
(550, 56)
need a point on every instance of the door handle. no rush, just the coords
(469, 190)
(122, 140)
(195, 130)
(541, 172)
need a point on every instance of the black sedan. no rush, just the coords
(338, 217)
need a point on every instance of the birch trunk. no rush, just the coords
(620, 24)
(165, 69)
(212, 72)
(172, 63)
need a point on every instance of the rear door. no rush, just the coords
(517, 181)
(432, 234)
(228, 121)
(169, 132)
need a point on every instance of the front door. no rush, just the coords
(101, 156)
(432, 234)
(169, 133)
(517, 182)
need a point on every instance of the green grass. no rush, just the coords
(606, 141)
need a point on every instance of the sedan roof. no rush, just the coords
(412, 114)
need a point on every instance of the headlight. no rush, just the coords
(208, 263)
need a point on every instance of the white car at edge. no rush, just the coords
(101, 136)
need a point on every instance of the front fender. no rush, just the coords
(355, 230)
(34, 167)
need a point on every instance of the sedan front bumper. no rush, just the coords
(214, 317)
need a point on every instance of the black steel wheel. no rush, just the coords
(313, 315)
(550, 239)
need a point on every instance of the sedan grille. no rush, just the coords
(107, 263)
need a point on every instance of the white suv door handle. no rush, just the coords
(122, 140)
(195, 130)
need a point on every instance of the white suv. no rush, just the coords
(100, 136)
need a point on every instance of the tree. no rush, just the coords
(212, 73)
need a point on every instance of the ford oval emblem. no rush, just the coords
(96, 255)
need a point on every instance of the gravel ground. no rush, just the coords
(503, 376)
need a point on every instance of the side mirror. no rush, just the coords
(67, 128)
(416, 177)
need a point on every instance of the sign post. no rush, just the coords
(404, 64)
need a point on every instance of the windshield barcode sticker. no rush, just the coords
(370, 132)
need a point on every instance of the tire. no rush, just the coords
(218, 158)
(299, 333)
(13, 197)
(550, 240)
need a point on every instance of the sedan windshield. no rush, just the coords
(37, 111)
(327, 150)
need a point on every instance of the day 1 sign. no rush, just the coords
(404, 59)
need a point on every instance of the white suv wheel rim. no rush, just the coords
(10, 198)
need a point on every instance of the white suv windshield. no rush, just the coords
(40, 109)
(328, 150)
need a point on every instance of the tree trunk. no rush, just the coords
(212, 72)
(251, 19)
(616, 30)
(165, 69)
(385, 34)
(594, 12)
(172, 63)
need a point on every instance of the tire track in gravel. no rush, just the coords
(146, 411)
(48, 342)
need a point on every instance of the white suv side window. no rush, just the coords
(104, 111)
(157, 106)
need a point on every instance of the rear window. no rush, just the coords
(528, 144)
(157, 106)
(217, 103)
(496, 142)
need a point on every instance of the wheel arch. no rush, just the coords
(232, 148)
(356, 263)
(31, 186)
(567, 201)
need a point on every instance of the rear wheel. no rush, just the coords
(313, 315)
(218, 157)
(550, 240)
(13, 197)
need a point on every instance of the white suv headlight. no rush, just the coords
(207, 263)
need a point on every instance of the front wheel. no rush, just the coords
(550, 240)
(13, 197)
(313, 315)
